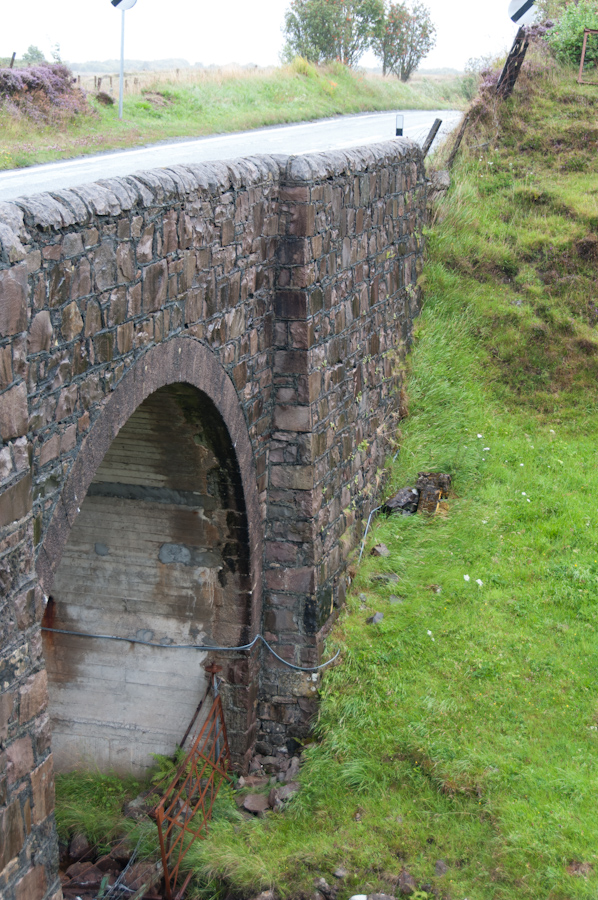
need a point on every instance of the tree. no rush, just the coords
(33, 55)
(404, 37)
(389, 38)
(325, 30)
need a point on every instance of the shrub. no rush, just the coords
(566, 38)
(44, 93)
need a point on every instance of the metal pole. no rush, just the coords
(122, 66)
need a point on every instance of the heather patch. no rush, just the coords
(43, 95)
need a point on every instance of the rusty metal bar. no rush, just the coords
(587, 32)
(186, 798)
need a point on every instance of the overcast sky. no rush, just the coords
(222, 32)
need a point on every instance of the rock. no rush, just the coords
(266, 895)
(407, 883)
(380, 550)
(256, 780)
(404, 502)
(84, 875)
(394, 599)
(341, 872)
(286, 791)
(271, 764)
(256, 764)
(278, 795)
(109, 864)
(293, 770)
(79, 847)
(322, 885)
(359, 897)
(121, 853)
(440, 867)
(438, 184)
(433, 487)
(387, 578)
(380, 897)
(256, 803)
(375, 619)
(137, 808)
(141, 873)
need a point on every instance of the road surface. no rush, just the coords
(309, 137)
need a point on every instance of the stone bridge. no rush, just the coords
(200, 376)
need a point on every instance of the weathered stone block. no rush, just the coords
(104, 266)
(292, 418)
(13, 300)
(12, 833)
(33, 696)
(19, 759)
(42, 790)
(33, 885)
(298, 478)
(72, 323)
(14, 416)
(155, 282)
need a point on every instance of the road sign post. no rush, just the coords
(123, 5)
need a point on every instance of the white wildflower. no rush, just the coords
(466, 577)
(480, 582)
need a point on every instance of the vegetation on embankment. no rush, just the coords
(464, 727)
(221, 101)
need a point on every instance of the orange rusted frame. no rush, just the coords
(202, 756)
(587, 32)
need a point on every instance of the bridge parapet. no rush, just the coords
(284, 289)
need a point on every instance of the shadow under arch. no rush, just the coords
(165, 372)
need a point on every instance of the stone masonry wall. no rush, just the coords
(285, 289)
(346, 296)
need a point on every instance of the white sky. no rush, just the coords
(223, 31)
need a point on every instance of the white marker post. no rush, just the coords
(523, 12)
(123, 5)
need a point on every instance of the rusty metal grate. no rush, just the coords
(587, 32)
(183, 813)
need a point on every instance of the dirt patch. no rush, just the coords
(156, 99)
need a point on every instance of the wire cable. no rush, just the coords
(202, 647)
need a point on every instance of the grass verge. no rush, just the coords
(464, 727)
(225, 101)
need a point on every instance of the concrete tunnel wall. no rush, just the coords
(283, 290)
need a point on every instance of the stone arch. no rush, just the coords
(184, 374)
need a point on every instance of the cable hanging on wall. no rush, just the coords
(202, 647)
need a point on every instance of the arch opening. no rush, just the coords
(160, 552)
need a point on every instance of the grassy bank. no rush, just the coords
(223, 101)
(464, 727)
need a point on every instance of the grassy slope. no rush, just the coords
(224, 102)
(464, 726)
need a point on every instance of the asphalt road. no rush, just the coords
(309, 137)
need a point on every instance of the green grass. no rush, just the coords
(225, 102)
(464, 727)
